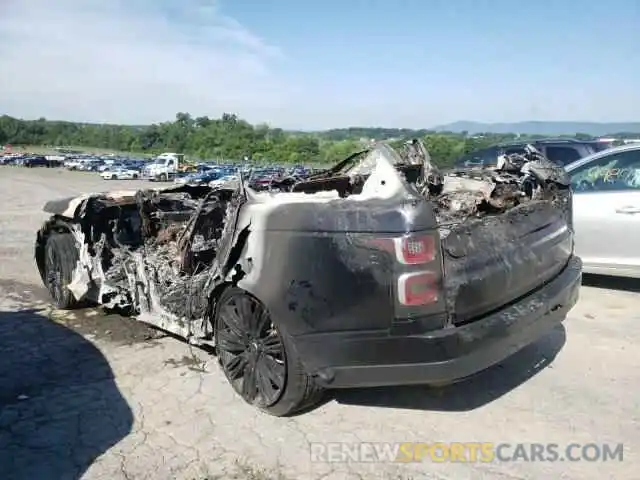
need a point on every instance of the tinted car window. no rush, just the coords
(562, 155)
(619, 171)
(486, 156)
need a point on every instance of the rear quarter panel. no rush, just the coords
(312, 268)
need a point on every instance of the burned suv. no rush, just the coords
(382, 271)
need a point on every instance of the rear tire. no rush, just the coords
(114, 177)
(60, 259)
(164, 177)
(258, 359)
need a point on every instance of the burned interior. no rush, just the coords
(143, 246)
(159, 253)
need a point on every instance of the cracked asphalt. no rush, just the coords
(89, 395)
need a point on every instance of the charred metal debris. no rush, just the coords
(157, 254)
(163, 253)
(515, 180)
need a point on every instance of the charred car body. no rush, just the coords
(382, 271)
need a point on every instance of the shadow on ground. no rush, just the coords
(611, 283)
(59, 405)
(468, 394)
(93, 322)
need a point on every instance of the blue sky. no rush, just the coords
(402, 63)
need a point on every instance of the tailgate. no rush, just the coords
(491, 262)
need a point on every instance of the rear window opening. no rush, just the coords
(602, 145)
(562, 155)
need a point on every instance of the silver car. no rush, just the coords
(606, 211)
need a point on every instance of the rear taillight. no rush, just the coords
(417, 250)
(418, 288)
(408, 250)
(418, 253)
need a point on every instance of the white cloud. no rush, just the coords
(133, 61)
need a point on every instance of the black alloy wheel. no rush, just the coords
(250, 349)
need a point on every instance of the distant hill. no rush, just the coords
(376, 133)
(541, 128)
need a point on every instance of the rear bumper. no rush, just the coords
(365, 359)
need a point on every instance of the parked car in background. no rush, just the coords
(92, 165)
(137, 165)
(606, 210)
(262, 179)
(54, 161)
(109, 166)
(35, 161)
(225, 181)
(298, 172)
(74, 163)
(561, 151)
(85, 164)
(71, 163)
(198, 178)
(203, 167)
(10, 159)
(120, 174)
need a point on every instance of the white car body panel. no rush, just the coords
(607, 217)
(120, 174)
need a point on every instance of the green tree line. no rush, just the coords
(231, 138)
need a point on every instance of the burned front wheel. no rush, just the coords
(258, 359)
(60, 258)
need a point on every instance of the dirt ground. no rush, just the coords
(88, 395)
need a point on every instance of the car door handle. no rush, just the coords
(628, 210)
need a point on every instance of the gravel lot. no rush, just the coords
(95, 396)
